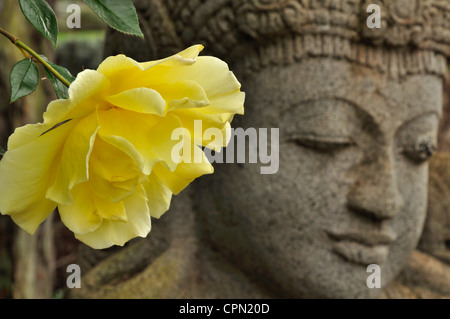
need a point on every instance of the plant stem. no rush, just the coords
(43, 62)
(23, 46)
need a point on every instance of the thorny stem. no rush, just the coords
(22, 46)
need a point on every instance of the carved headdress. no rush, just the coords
(264, 32)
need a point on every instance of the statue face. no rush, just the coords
(351, 189)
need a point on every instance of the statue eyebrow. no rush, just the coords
(417, 117)
(370, 124)
(56, 126)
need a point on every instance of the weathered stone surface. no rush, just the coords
(427, 273)
(358, 113)
(436, 235)
(424, 277)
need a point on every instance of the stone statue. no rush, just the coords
(427, 273)
(358, 111)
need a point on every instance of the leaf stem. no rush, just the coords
(36, 56)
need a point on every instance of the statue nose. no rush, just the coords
(376, 192)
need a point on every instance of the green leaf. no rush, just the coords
(62, 91)
(63, 71)
(120, 15)
(42, 17)
(60, 69)
(24, 79)
(2, 151)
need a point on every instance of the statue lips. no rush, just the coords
(363, 248)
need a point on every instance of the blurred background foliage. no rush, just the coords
(35, 266)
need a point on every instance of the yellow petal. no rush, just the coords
(215, 79)
(225, 104)
(160, 143)
(87, 84)
(212, 74)
(26, 173)
(73, 168)
(196, 122)
(118, 233)
(84, 92)
(185, 173)
(141, 100)
(159, 196)
(110, 211)
(185, 57)
(217, 141)
(117, 68)
(126, 147)
(183, 95)
(26, 134)
(149, 134)
(112, 173)
(82, 216)
(30, 219)
(192, 52)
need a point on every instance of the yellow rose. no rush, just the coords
(103, 156)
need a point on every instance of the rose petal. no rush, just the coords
(205, 122)
(25, 175)
(111, 211)
(185, 173)
(150, 135)
(141, 100)
(118, 233)
(73, 168)
(112, 173)
(212, 74)
(119, 67)
(159, 196)
(232, 103)
(82, 216)
(185, 57)
(86, 88)
(183, 95)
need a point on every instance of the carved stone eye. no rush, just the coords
(327, 144)
(422, 150)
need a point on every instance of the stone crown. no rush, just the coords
(284, 31)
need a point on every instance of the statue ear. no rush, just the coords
(160, 35)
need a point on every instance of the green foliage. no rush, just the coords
(62, 92)
(24, 79)
(42, 17)
(60, 89)
(119, 15)
(63, 71)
